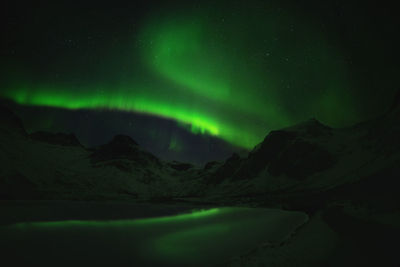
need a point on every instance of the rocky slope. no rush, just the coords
(309, 165)
(306, 166)
(345, 179)
(56, 166)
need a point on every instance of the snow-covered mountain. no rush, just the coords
(304, 166)
(56, 166)
(308, 165)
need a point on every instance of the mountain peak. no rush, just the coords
(56, 138)
(11, 121)
(121, 139)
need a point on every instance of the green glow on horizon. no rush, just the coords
(198, 120)
(235, 79)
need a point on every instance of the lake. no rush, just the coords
(190, 237)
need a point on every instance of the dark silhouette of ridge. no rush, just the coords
(56, 138)
(123, 147)
(11, 121)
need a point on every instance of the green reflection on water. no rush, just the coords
(199, 238)
(195, 214)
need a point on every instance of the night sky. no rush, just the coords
(196, 80)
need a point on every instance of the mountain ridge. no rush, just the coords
(290, 166)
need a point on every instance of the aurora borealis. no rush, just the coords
(232, 71)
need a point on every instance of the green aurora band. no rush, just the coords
(214, 77)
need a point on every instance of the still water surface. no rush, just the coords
(203, 237)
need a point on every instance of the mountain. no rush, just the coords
(310, 165)
(55, 138)
(46, 165)
(346, 180)
(305, 166)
